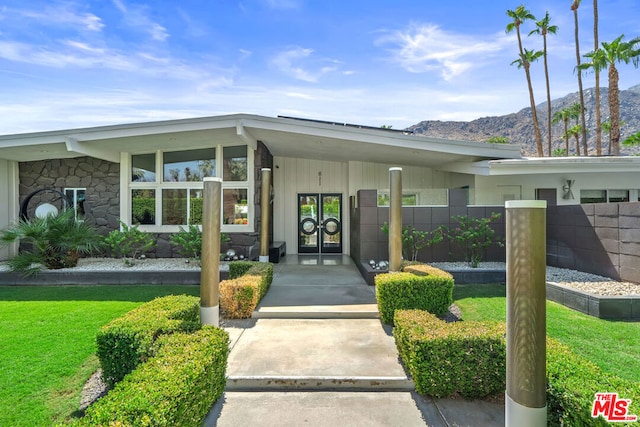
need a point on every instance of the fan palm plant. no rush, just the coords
(574, 7)
(52, 242)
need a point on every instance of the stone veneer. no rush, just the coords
(101, 179)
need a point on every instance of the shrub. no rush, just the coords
(177, 387)
(413, 240)
(129, 242)
(239, 268)
(572, 383)
(426, 270)
(467, 358)
(53, 242)
(189, 241)
(248, 284)
(402, 291)
(128, 340)
(474, 235)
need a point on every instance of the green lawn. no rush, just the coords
(614, 346)
(48, 344)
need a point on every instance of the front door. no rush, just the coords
(320, 223)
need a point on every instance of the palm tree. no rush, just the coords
(575, 131)
(519, 16)
(574, 8)
(597, 73)
(543, 28)
(608, 55)
(564, 116)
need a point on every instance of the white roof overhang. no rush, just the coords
(284, 137)
(555, 165)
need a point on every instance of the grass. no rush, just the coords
(48, 344)
(612, 345)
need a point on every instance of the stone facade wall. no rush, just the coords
(100, 178)
(368, 241)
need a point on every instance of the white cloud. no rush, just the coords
(296, 62)
(137, 16)
(62, 14)
(425, 48)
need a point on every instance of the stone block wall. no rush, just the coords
(368, 241)
(602, 238)
(100, 178)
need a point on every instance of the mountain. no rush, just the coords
(518, 127)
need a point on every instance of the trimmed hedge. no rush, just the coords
(469, 358)
(406, 291)
(466, 358)
(572, 383)
(248, 284)
(127, 341)
(427, 270)
(176, 387)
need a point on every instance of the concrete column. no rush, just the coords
(265, 217)
(395, 218)
(210, 273)
(525, 403)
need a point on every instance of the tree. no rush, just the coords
(568, 113)
(596, 62)
(519, 16)
(597, 74)
(575, 132)
(607, 56)
(543, 28)
(574, 8)
(498, 140)
(632, 140)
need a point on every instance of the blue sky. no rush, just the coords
(76, 63)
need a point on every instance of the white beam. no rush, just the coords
(246, 136)
(76, 146)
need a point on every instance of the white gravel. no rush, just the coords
(147, 264)
(585, 282)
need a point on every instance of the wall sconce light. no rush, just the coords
(567, 188)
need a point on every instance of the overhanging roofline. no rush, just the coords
(553, 165)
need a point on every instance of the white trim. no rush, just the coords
(516, 204)
(517, 415)
(563, 165)
(210, 315)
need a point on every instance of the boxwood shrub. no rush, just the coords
(403, 291)
(247, 285)
(176, 387)
(466, 358)
(572, 383)
(127, 341)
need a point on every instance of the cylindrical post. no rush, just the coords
(265, 217)
(395, 218)
(210, 272)
(525, 403)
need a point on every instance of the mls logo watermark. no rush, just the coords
(612, 408)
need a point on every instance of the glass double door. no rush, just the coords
(320, 223)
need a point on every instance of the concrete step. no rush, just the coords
(318, 383)
(345, 311)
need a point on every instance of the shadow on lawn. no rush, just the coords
(133, 293)
(491, 290)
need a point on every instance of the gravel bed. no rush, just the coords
(147, 264)
(585, 282)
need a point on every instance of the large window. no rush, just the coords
(164, 201)
(604, 196)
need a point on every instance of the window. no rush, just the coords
(407, 199)
(189, 165)
(163, 202)
(76, 195)
(604, 196)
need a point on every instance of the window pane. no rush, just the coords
(174, 207)
(143, 168)
(189, 165)
(143, 206)
(235, 163)
(235, 208)
(593, 196)
(195, 213)
(616, 196)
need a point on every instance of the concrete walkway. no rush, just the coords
(316, 354)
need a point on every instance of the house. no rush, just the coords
(330, 182)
